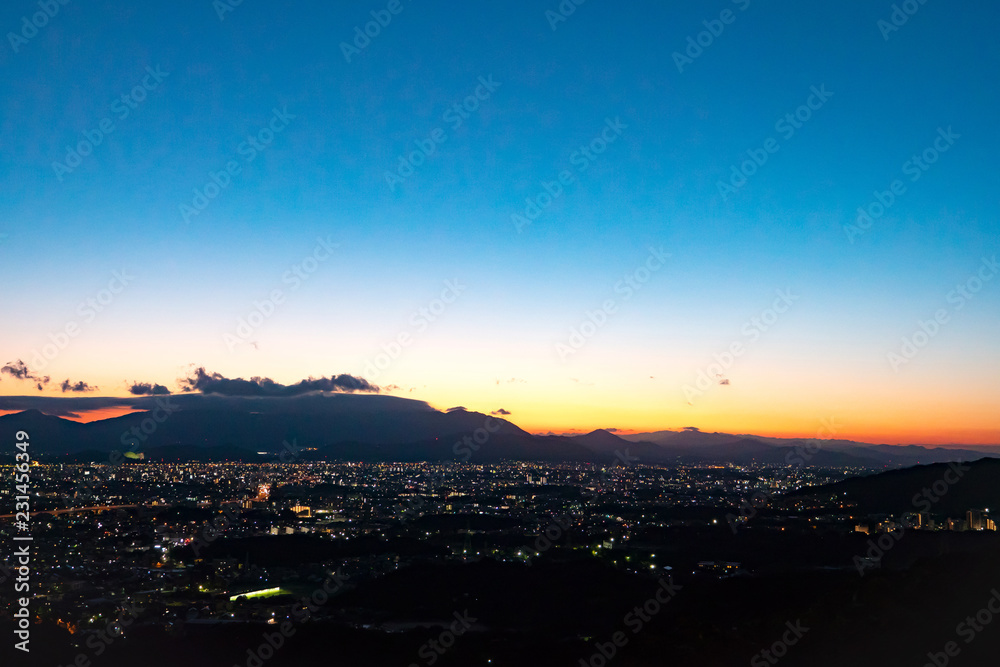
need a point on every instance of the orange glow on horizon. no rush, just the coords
(885, 436)
(87, 416)
(103, 413)
(576, 408)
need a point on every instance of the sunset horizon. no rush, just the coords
(822, 427)
(560, 332)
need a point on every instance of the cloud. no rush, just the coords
(78, 387)
(500, 411)
(19, 370)
(147, 389)
(216, 383)
(75, 405)
(612, 430)
(695, 429)
(725, 381)
(457, 408)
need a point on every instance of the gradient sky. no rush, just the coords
(656, 185)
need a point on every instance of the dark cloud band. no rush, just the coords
(216, 383)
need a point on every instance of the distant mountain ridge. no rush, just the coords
(384, 428)
(816, 451)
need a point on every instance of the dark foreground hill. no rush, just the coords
(940, 488)
(562, 611)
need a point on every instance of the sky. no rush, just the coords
(639, 216)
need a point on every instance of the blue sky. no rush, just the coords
(656, 185)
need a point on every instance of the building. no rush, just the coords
(721, 568)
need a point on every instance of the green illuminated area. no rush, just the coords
(262, 593)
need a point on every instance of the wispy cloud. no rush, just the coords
(19, 370)
(76, 386)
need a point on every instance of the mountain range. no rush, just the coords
(366, 427)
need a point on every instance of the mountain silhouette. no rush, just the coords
(368, 427)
